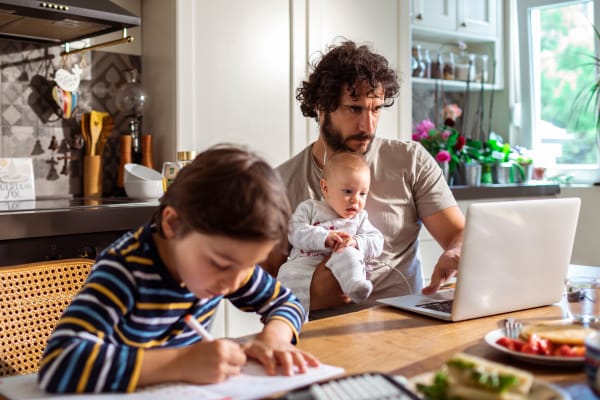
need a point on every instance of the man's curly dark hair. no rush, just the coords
(345, 64)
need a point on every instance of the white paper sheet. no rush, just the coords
(253, 383)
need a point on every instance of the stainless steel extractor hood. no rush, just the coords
(67, 21)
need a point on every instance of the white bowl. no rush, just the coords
(144, 190)
(138, 172)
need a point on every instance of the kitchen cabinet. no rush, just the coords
(457, 18)
(440, 25)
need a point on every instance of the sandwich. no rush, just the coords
(469, 377)
(571, 334)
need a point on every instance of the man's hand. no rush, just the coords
(325, 291)
(445, 269)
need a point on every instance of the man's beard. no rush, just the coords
(333, 137)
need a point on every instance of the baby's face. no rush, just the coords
(345, 190)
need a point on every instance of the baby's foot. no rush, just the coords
(360, 290)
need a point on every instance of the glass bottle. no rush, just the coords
(418, 65)
(427, 64)
(448, 70)
(437, 66)
(481, 68)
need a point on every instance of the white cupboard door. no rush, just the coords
(478, 17)
(332, 21)
(434, 14)
(238, 90)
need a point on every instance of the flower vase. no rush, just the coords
(445, 167)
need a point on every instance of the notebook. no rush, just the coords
(515, 256)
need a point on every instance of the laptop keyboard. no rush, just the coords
(443, 306)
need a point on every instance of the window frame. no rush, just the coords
(579, 173)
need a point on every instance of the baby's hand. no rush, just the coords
(335, 238)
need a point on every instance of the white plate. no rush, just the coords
(493, 336)
(540, 390)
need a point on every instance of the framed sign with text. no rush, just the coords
(16, 179)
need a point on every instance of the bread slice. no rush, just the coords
(572, 334)
(462, 372)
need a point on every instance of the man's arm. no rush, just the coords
(446, 227)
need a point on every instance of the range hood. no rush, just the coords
(57, 23)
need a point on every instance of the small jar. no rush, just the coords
(170, 170)
(185, 157)
(465, 67)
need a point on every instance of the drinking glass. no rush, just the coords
(583, 298)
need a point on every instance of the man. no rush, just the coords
(346, 93)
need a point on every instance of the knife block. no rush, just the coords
(92, 176)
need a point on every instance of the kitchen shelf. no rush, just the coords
(451, 86)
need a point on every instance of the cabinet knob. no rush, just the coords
(419, 16)
(463, 24)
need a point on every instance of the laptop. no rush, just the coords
(515, 256)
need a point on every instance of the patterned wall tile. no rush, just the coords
(30, 119)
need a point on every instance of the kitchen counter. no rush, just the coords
(489, 191)
(52, 217)
(65, 228)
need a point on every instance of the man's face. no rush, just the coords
(352, 125)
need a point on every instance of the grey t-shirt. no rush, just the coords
(406, 185)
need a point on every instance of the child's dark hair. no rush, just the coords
(228, 191)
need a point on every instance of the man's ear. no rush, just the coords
(324, 188)
(169, 222)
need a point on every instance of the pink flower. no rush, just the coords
(452, 111)
(422, 129)
(446, 134)
(443, 156)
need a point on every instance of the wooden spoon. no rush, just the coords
(85, 133)
(96, 129)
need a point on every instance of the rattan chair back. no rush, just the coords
(32, 299)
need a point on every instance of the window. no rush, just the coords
(557, 42)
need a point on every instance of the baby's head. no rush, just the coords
(345, 183)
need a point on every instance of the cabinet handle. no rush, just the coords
(419, 16)
(463, 24)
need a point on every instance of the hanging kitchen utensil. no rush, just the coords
(65, 100)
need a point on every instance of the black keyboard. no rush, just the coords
(443, 306)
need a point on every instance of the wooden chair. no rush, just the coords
(32, 299)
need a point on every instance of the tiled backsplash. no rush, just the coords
(29, 117)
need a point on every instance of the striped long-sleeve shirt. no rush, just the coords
(130, 303)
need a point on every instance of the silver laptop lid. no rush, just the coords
(515, 255)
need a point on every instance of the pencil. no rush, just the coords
(198, 328)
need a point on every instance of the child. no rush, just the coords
(338, 225)
(125, 329)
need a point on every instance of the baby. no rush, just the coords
(336, 225)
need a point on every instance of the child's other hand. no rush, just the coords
(212, 362)
(289, 358)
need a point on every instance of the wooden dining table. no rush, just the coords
(386, 339)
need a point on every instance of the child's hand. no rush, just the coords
(288, 357)
(272, 348)
(211, 362)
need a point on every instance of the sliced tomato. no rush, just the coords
(511, 344)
